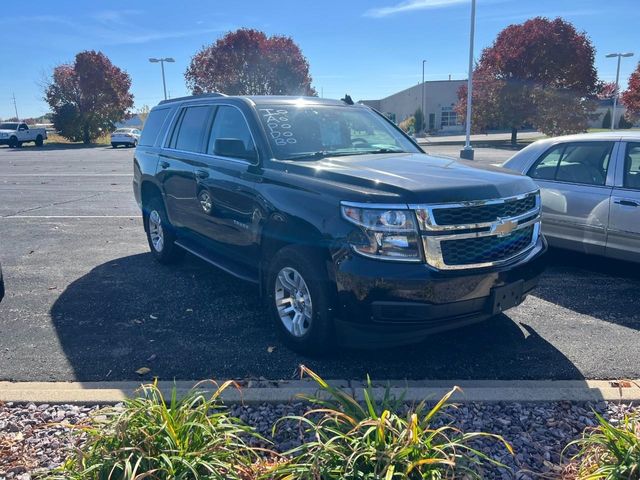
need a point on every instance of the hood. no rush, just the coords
(417, 177)
(5, 131)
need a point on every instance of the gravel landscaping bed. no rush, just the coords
(36, 438)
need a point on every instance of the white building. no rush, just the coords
(440, 97)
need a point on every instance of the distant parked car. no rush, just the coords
(590, 186)
(125, 136)
(15, 134)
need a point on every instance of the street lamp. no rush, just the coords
(615, 96)
(467, 151)
(161, 61)
(422, 106)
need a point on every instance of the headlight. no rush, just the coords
(385, 233)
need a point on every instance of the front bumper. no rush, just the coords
(396, 303)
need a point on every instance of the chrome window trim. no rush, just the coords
(429, 224)
(433, 250)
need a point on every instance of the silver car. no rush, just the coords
(590, 186)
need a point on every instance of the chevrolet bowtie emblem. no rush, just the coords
(503, 227)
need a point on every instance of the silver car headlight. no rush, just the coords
(385, 233)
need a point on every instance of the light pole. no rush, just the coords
(467, 151)
(615, 96)
(422, 105)
(161, 61)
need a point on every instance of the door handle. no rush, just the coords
(627, 202)
(202, 174)
(164, 164)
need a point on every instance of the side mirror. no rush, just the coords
(234, 148)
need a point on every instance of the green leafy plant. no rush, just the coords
(380, 440)
(188, 438)
(608, 452)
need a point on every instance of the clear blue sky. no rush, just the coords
(367, 48)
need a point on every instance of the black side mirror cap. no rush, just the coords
(234, 148)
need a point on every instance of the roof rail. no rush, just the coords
(192, 97)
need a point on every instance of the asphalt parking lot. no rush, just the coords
(85, 301)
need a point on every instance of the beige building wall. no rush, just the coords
(440, 98)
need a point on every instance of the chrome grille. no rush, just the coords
(479, 234)
(484, 213)
(485, 249)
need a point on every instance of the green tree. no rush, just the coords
(88, 96)
(606, 120)
(418, 120)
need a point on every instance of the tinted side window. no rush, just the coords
(229, 123)
(632, 166)
(190, 132)
(152, 126)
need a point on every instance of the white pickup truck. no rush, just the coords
(15, 134)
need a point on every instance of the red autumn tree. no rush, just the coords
(247, 62)
(88, 96)
(529, 68)
(631, 96)
(606, 90)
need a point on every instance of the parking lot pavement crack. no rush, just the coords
(54, 204)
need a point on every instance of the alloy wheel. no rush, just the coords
(293, 301)
(156, 232)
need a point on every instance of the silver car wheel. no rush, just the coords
(293, 302)
(155, 231)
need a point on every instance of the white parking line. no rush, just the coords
(66, 175)
(70, 216)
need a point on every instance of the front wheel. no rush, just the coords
(13, 142)
(301, 300)
(160, 235)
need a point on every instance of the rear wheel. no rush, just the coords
(39, 141)
(160, 233)
(301, 299)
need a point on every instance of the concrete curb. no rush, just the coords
(255, 392)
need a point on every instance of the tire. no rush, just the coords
(13, 142)
(314, 300)
(135, 143)
(39, 141)
(114, 145)
(160, 233)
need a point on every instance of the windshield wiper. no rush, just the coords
(320, 154)
(384, 150)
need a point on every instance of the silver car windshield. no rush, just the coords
(308, 131)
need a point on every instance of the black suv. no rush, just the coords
(350, 230)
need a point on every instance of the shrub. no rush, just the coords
(408, 124)
(609, 452)
(606, 120)
(624, 122)
(188, 438)
(377, 441)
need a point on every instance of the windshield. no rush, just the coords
(8, 126)
(314, 131)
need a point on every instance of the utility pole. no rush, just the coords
(467, 151)
(15, 106)
(422, 105)
(615, 96)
